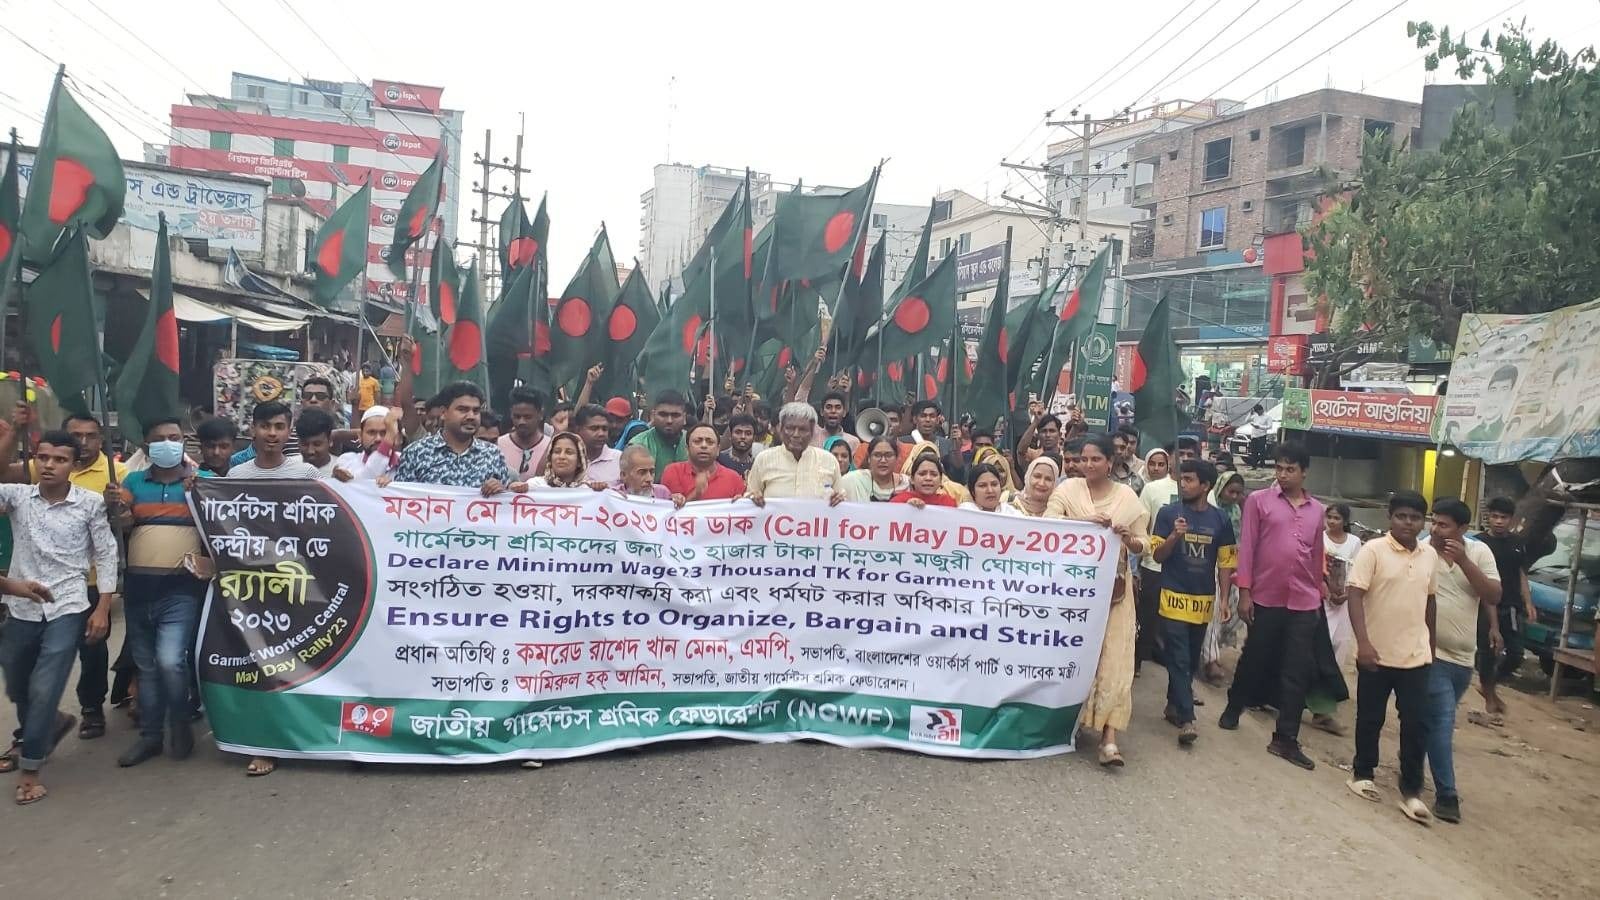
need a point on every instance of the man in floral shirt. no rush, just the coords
(453, 455)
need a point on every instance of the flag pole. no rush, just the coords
(711, 330)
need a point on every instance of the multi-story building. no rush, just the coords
(677, 213)
(1214, 193)
(319, 141)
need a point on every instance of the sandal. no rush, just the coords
(1365, 789)
(11, 758)
(1110, 756)
(28, 794)
(259, 767)
(1486, 719)
(1416, 810)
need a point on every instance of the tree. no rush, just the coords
(1497, 219)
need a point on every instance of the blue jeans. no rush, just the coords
(162, 612)
(1446, 683)
(37, 658)
(1184, 641)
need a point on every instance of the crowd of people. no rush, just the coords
(1201, 560)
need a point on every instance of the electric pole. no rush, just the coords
(488, 253)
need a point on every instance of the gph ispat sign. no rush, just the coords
(398, 95)
(427, 624)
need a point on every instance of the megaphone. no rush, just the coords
(871, 423)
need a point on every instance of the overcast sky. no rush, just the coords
(818, 91)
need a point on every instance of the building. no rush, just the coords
(319, 141)
(1215, 192)
(684, 201)
(1111, 172)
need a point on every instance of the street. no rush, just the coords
(732, 819)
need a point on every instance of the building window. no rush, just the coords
(1255, 135)
(280, 187)
(944, 247)
(221, 140)
(1219, 159)
(1166, 219)
(311, 247)
(254, 91)
(1247, 205)
(341, 153)
(1294, 147)
(941, 210)
(880, 220)
(1377, 128)
(964, 243)
(305, 98)
(283, 146)
(1213, 227)
(1172, 154)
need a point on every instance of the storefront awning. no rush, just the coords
(188, 309)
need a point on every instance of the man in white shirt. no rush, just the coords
(795, 469)
(1467, 586)
(269, 432)
(60, 531)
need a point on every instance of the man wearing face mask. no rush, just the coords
(162, 595)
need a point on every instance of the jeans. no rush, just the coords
(1447, 681)
(1491, 669)
(1280, 640)
(1184, 640)
(95, 664)
(1410, 690)
(163, 613)
(37, 658)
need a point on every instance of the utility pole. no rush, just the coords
(489, 270)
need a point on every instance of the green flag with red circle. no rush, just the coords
(464, 355)
(990, 396)
(59, 310)
(923, 314)
(339, 252)
(1154, 376)
(416, 213)
(579, 319)
(147, 388)
(628, 327)
(522, 241)
(444, 282)
(77, 183)
(10, 224)
(816, 235)
(1073, 321)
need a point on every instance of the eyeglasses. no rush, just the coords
(319, 395)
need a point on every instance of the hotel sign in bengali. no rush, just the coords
(1396, 416)
(427, 624)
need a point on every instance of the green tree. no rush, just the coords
(1498, 219)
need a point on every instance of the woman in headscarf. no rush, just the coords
(840, 448)
(1038, 483)
(954, 489)
(877, 481)
(994, 457)
(986, 484)
(927, 483)
(1228, 495)
(565, 465)
(1096, 498)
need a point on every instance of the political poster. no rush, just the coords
(1526, 387)
(426, 624)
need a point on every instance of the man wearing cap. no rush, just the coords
(619, 413)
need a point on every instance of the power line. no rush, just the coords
(1162, 81)
(1371, 22)
(1281, 47)
(1131, 52)
(1148, 56)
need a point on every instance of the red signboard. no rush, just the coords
(1286, 354)
(399, 95)
(331, 133)
(1404, 416)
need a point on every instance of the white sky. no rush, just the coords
(818, 91)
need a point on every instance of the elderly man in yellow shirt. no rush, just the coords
(794, 469)
(92, 472)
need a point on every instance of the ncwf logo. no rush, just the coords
(362, 718)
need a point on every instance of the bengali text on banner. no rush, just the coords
(430, 624)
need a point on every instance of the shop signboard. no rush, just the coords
(1406, 417)
(1093, 371)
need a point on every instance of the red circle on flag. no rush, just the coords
(1005, 343)
(930, 385)
(574, 317)
(55, 334)
(419, 221)
(466, 345)
(1137, 374)
(416, 358)
(541, 338)
(5, 241)
(521, 251)
(167, 341)
(69, 189)
(895, 371)
(912, 315)
(623, 324)
(691, 328)
(785, 357)
(447, 303)
(773, 302)
(944, 367)
(331, 252)
(838, 231)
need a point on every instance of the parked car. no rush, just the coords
(1547, 582)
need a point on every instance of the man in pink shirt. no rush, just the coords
(1281, 586)
(525, 444)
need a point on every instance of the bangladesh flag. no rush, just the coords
(10, 224)
(421, 205)
(628, 326)
(816, 235)
(1022, 326)
(1035, 339)
(59, 308)
(464, 356)
(578, 321)
(924, 314)
(1076, 317)
(444, 282)
(683, 338)
(423, 361)
(1154, 378)
(147, 388)
(861, 307)
(521, 241)
(954, 377)
(990, 397)
(519, 337)
(77, 181)
(339, 252)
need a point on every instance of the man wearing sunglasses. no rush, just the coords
(316, 392)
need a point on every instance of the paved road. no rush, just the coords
(728, 819)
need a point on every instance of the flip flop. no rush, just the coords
(11, 758)
(1110, 756)
(24, 799)
(1416, 810)
(1485, 719)
(258, 768)
(1365, 789)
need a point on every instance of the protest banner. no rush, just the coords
(428, 624)
(1526, 387)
